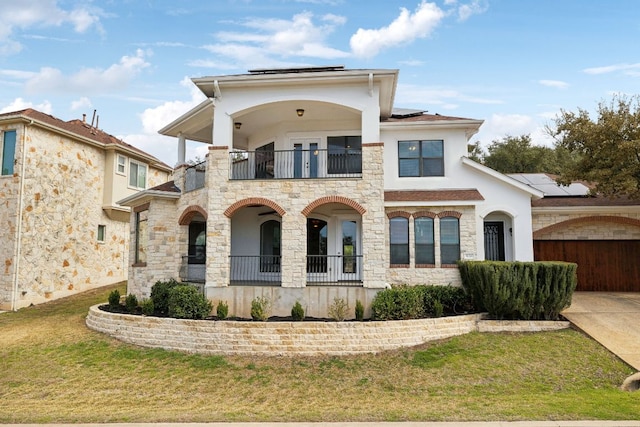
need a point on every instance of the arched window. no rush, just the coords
(425, 248)
(399, 240)
(270, 246)
(449, 240)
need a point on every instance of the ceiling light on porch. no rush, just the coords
(237, 125)
(300, 112)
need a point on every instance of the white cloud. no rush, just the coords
(628, 68)
(89, 80)
(83, 102)
(430, 96)
(499, 126)
(404, 29)
(476, 7)
(27, 14)
(558, 84)
(20, 104)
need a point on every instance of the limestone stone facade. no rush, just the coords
(52, 212)
(586, 226)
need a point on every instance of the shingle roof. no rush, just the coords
(169, 187)
(80, 128)
(565, 201)
(422, 118)
(432, 195)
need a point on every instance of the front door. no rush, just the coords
(333, 250)
(306, 157)
(494, 241)
(348, 247)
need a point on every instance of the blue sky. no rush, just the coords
(513, 64)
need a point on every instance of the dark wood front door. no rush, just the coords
(603, 265)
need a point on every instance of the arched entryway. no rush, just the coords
(498, 236)
(193, 267)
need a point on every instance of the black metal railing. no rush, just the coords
(194, 176)
(191, 270)
(334, 269)
(255, 269)
(296, 164)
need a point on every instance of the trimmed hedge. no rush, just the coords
(519, 290)
(415, 302)
(186, 302)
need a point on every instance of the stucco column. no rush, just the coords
(182, 149)
(222, 126)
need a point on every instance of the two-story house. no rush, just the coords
(315, 187)
(62, 230)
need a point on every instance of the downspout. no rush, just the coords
(18, 250)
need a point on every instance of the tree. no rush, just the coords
(516, 154)
(606, 150)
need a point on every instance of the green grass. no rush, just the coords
(54, 369)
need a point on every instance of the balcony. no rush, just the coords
(194, 176)
(295, 164)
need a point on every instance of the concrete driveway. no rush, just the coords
(612, 319)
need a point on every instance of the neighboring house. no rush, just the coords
(62, 230)
(314, 187)
(600, 234)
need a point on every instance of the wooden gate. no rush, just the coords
(603, 265)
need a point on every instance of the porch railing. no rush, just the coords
(194, 176)
(334, 269)
(190, 271)
(296, 164)
(255, 269)
(321, 270)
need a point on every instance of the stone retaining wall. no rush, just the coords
(278, 338)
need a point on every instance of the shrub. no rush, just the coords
(160, 295)
(297, 312)
(131, 303)
(147, 306)
(114, 299)
(415, 302)
(438, 308)
(222, 310)
(186, 302)
(338, 309)
(261, 308)
(359, 311)
(520, 290)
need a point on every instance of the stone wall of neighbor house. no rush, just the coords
(9, 191)
(584, 226)
(436, 274)
(61, 210)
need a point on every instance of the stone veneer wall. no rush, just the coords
(434, 275)
(293, 338)
(293, 196)
(583, 226)
(9, 198)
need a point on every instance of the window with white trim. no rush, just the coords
(7, 152)
(137, 175)
(121, 164)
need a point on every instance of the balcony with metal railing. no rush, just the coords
(194, 176)
(296, 164)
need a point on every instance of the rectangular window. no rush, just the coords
(8, 152)
(425, 248)
(421, 158)
(101, 232)
(121, 164)
(344, 154)
(449, 240)
(137, 175)
(142, 237)
(399, 240)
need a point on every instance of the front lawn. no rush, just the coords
(54, 369)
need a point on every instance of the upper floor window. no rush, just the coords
(399, 240)
(425, 246)
(421, 158)
(121, 164)
(449, 240)
(137, 175)
(8, 151)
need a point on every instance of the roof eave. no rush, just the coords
(141, 196)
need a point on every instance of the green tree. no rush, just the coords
(606, 149)
(517, 154)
